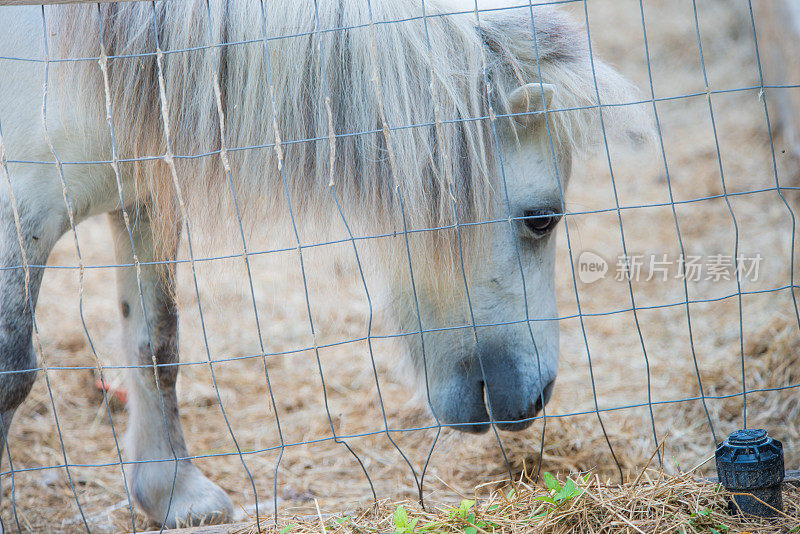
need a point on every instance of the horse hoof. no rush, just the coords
(204, 504)
(195, 500)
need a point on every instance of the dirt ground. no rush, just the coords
(323, 471)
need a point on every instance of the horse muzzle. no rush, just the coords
(496, 392)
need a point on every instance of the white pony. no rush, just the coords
(394, 115)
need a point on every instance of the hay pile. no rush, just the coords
(653, 502)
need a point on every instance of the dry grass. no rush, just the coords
(322, 473)
(654, 502)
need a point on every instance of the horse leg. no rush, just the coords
(31, 221)
(171, 491)
(42, 220)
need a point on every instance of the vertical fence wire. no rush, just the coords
(169, 159)
(279, 153)
(74, 232)
(607, 151)
(279, 159)
(562, 192)
(674, 212)
(223, 156)
(733, 219)
(103, 64)
(778, 188)
(332, 183)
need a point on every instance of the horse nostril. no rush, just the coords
(544, 397)
(548, 390)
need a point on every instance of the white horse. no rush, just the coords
(395, 115)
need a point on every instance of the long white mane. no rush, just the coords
(371, 96)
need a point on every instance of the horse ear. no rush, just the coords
(530, 100)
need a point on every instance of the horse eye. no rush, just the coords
(540, 222)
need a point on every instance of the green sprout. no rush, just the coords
(558, 495)
(402, 523)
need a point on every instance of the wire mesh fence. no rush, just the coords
(293, 164)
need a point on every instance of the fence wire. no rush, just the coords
(251, 457)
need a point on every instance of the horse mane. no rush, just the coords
(410, 100)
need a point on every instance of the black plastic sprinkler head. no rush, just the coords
(750, 463)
